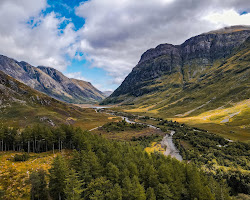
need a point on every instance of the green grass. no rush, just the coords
(42, 109)
(222, 85)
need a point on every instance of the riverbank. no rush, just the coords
(167, 141)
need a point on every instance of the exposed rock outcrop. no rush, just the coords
(51, 82)
(190, 59)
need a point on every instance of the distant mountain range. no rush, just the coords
(207, 74)
(107, 93)
(51, 82)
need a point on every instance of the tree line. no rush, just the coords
(101, 169)
(122, 126)
(210, 150)
(38, 138)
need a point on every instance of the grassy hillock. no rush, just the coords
(135, 133)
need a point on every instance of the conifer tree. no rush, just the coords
(73, 186)
(150, 194)
(57, 178)
(39, 188)
(127, 188)
(97, 187)
(150, 176)
(112, 172)
(163, 192)
(138, 191)
(115, 193)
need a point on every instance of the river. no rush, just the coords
(167, 140)
(170, 147)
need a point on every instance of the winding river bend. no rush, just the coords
(166, 142)
(170, 147)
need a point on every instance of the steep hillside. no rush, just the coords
(21, 105)
(89, 89)
(206, 73)
(51, 82)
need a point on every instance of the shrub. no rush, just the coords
(21, 157)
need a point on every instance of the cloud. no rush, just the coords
(39, 42)
(76, 75)
(228, 17)
(116, 33)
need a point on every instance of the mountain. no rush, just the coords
(195, 82)
(107, 93)
(51, 82)
(21, 105)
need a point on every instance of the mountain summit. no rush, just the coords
(189, 61)
(207, 74)
(51, 82)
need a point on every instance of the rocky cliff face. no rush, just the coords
(190, 60)
(51, 82)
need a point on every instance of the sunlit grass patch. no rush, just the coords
(14, 176)
(155, 147)
(141, 109)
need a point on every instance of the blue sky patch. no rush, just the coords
(66, 9)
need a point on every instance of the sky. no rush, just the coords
(100, 41)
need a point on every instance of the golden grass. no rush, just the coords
(155, 147)
(14, 176)
(232, 122)
(219, 115)
(141, 109)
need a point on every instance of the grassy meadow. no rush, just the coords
(14, 176)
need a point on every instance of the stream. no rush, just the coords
(167, 140)
(170, 147)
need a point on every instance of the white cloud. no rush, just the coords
(41, 44)
(116, 33)
(228, 17)
(77, 75)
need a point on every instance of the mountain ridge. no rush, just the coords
(182, 88)
(201, 51)
(22, 106)
(50, 81)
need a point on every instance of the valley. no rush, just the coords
(176, 128)
(199, 147)
(198, 83)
